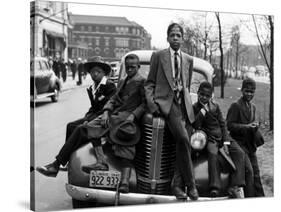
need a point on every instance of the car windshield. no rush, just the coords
(197, 78)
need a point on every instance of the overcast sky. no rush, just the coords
(156, 21)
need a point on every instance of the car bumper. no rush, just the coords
(114, 198)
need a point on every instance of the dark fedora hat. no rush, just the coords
(97, 61)
(126, 133)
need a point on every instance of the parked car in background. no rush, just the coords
(154, 162)
(43, 81)
(249, 73)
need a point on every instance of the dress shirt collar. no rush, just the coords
(172, 51)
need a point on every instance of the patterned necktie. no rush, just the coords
(176, 65)
(177, 78)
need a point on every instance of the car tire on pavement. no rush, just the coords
(83, 204)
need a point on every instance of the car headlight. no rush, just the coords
(198, 140)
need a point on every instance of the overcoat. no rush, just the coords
(128, 99)
(238, 116)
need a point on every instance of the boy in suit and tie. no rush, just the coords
(99, 92)
(244, 129)
(168, 96)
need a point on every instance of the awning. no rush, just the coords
(54, 34)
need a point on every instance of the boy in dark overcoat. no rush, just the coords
(245, 130)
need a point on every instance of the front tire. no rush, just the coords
(83, 204)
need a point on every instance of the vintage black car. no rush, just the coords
(154, 162)
(43, 81)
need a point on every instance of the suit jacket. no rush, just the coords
(129, 97)
(238, 116)
(159, 84)
(213, 123)
(102, 95)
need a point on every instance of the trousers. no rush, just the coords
(178, 126)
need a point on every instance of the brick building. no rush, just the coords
(109, 37)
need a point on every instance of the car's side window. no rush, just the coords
(38, 66)
(44, 66)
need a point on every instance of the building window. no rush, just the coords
(117, 29)
(89, 41)
(97, 41)
(122, 42)
(106, 28)
(82, 28)
(82, 38)
(106, 41)
(134, 31)
(97, 28)
(90, 28)
(106, 51)
(97, 50)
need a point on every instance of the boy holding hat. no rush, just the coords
(245, 130)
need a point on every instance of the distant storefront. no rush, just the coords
(48, 29)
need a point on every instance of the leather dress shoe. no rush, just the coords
(214, 193)
(236, 192)
(50, 170)
(193, 193)
(179, 193)
(124, 188)
(95, 166)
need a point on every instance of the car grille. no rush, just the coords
(155, 157)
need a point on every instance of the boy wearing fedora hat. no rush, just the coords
(245, 130)
(118, 122)
(99, 93)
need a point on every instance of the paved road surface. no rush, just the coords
(50, 122)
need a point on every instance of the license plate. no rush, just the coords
(104, 179)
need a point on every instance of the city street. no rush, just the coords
(50, 125)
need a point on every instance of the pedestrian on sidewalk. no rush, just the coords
(80, 71)
(73, 67)
(63, 70)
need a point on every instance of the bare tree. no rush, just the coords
(268, 61)
(235, 43)
(221, 53)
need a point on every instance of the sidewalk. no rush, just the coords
(71, 84)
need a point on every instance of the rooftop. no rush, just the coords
(103, 20)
